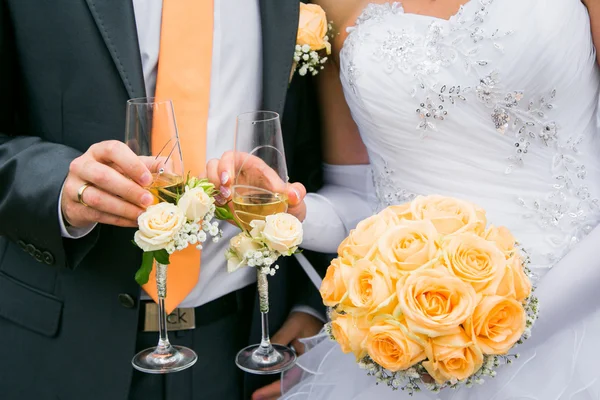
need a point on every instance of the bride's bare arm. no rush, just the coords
(593, 7)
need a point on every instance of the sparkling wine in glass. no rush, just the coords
(151, 132)
(259, 190)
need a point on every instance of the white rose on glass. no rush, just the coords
(195, 203)
(158, 226)
(239, 246)
(282, 233)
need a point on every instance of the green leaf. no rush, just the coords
(143, 274)
(223, 213)
(162, 256)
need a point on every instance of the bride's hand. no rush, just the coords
(220, 172)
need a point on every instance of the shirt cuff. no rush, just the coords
(310, 311)
(71, 232)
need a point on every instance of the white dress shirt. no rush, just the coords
(236, 83)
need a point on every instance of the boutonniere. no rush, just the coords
(312, 42)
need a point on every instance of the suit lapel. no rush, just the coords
(279, 20)
(115, 20)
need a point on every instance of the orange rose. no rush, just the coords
(474, 260)
(409, 246)
(389, 345)
(502, 237)
(449, 215)
(514, 283)
(350, 332)
(497, 323)
(362, 239)
(452, 357)
(312, 28)
(398, 213)
(333, 288)
(435, 302)
(368, 288)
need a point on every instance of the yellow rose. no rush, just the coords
(195, 203)
(452, 357)
(449, 215)
(158, 226)
(514, 283)
(333, 288)
(350, 332)
(435, 302)
(369, 287)
(239, 245)
(502, 237)
(497, 323)
(312, 28)
(282, 233)
(390, 346)
(398, 212)
(361, 240)
(408, 246)
(475, 261)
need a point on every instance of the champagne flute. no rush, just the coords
(259, 190)
(151, 132)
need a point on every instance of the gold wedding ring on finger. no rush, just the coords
(80, 193)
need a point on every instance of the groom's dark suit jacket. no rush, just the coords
(67, 68)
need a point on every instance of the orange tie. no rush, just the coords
(184, 64)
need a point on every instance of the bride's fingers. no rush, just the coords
(296, 193)
(269, 392)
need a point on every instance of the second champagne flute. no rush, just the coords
(259, 190)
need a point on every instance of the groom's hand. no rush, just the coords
(221, 173)
(299, 325)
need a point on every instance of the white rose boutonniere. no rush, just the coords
(312, 41)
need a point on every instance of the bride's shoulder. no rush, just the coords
(342, 14)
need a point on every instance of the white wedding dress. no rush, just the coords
(497, 106)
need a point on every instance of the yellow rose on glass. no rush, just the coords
(195, 203)
(158, 226)
(281, 232)
(434, 302)
(449, 215)
(390, 346)
(452, 357)
(497, 324)
(407, 247)
(350, 332)
(333, 288)
(239, 246)
(474, 260)
(514, 282)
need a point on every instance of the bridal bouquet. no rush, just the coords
(183, 218)
(426, 295)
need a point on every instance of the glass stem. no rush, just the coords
(164, 346)
(263, 296)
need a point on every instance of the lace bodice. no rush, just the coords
(495, 105)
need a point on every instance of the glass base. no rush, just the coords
(176, 359)
(252, 361)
